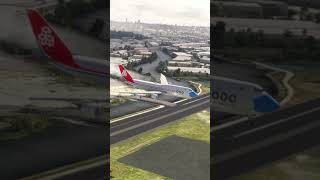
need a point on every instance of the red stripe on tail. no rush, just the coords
(49, 41)
(125, 74)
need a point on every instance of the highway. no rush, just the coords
(248, 144)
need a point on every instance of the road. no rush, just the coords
(248, 144)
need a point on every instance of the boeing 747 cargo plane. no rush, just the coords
(163, 87)
(60, 56)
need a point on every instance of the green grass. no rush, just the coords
(194, 127)
(23, 125)
(205, 88)
(291, 168)
(306, 86)
(205, 85)
(117, 101)
(265, 173)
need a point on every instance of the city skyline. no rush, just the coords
(178, 12)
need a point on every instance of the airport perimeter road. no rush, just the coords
(131, 126)
(248, 144)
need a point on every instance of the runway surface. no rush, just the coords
(251, 143)
(124, 129)
(132, 126)
(57, 146)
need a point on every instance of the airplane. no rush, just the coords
(61, 57)
(163, 87)
(240, 97)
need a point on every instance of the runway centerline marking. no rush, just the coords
(136, 114)
(125, 123)
(142, 112)
(277, 122)
(195, 100)
(157, 119)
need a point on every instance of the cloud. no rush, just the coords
(181, 12)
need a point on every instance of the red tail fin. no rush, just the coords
(125, 74)
(49, 41)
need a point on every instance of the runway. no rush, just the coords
(127, 128)
(248, 144)
(131, 126)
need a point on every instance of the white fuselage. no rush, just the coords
(174, 90)
(99, 65)
(238, 97)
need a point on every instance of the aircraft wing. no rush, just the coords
(135, 93)
(147, 96)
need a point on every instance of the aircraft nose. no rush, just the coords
(265, 103)
(193, 94)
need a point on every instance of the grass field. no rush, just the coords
(117, 101)
(23, 125)
(195, 127)
(300, 166)
(306, 86)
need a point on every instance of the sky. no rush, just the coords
(180, 12)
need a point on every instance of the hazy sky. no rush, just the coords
(181, 12)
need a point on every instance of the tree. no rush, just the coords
(303, 12)
(310, 43)
(317, 17)
(177, 72)
(61, 2)
(304, 31)
(292, 13)
(260, 37)
(214, 9)
(97, 27)
(140, 70)
(309, 17)
(287, 34)
(60, 11)
(218, 32)
(162, 67)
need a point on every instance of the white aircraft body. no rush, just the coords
(163, 87)
(239, 97)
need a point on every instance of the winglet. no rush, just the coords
(125, 74)
(49, 41)
(265, 103)
(163, 79)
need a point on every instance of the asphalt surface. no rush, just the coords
(57, 146)
(133, 126)
(130, 127)
(98, 173)
(168, 156)
(250, 144)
